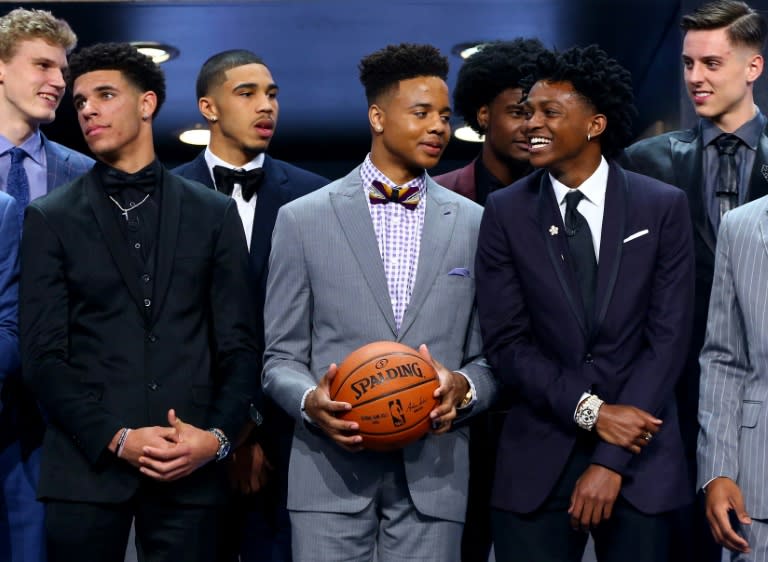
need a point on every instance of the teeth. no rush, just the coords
(49, 97)
(537, 141)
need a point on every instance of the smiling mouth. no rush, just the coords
(700, 95)
(49, 97)
(535, 143)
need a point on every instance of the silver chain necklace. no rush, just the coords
(124, 210)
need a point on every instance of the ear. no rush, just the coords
(148, 103)
(376, 118)
(597, 125)
(2, 72)
(208, 109)
(754, 67)
(484, 117)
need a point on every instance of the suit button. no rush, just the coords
(153, 386)
(588, 358)
(146, 278)
(151, 338)
(147, 303)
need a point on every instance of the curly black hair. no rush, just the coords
(383, 69)
(601, 81)
(139, 69)
(496, 67)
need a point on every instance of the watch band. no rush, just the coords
(587, 412)
(224, 444)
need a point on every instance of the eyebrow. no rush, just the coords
(270, 86)
(423, 105)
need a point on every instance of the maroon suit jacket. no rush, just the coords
(462, 181)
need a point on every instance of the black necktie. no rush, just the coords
(727, 189)
(249, 181)
(582, 251)
(18, 182)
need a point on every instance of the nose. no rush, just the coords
(266, 104)
(532, 121)
(57, 79)
(693, 73)
(439, 126)
(87, 109)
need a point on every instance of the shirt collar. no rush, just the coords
(593, 187)
(369, 172)
(212, 160)
(749, 132)
(33, 146)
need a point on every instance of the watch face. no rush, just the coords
(224, 451)
(587, 416)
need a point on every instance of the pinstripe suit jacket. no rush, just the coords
(64, 164)
(327, 295)
(733, 417)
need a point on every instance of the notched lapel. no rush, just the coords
(170, 213)
(113, 238)
(758, 180)
(270, 198)
(352, 213)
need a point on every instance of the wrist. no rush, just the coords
(588, 412)
(220, 443)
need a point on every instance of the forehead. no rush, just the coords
(707, 42)
(544, 91)
(97, 79)
(422, 89)
(510, 96)
(40, 48)
(250, 73)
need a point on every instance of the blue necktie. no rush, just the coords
(18, 182)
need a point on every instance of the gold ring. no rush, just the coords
(647, 435)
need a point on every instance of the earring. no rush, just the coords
(213, 118)
(589, 137)
(145, 117)
(379, 128)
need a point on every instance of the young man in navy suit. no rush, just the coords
(584, 288)
(33, 57)
(238, 97)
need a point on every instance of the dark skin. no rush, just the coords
(724, 496)
(564, 130)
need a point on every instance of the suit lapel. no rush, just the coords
(170, 212)
(439, 221)
(113, 237)
(758, 179)
(355, 219)
(54, 159)
(687, 161)
(550, 221)
(200, 172)
(270, 198)
(611, 241)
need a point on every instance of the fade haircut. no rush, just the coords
(601, 82)
(138, 69)
(496, 67)
(383, 70)
(214, 70)
(743, 25)
(21, 25)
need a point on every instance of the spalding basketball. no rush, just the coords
(390, 387)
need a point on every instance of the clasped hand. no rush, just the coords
(626, 426)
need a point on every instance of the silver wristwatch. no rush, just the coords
(587, 412)
(224, 445)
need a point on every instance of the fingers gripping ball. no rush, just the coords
(390, 387)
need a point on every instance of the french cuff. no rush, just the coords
(303, 403)
(472, 391)
(584, 396)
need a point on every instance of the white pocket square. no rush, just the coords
(637, 234)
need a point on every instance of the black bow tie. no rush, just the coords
(249, 181)
(114, 180)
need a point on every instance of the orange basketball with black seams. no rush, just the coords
(390, 387)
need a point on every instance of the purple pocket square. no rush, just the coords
(460, 271)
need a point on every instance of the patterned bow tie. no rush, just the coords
(115, 180)
(381, 194)
(249, 181)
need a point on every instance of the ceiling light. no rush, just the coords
(466, 50)
(158, 52)
(198, 136)
(467, 134)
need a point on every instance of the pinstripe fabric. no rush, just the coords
(733, 437)
(327, 295)
(64, 164)
(756, 535)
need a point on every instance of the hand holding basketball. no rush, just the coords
(324, 411)
(451, 391)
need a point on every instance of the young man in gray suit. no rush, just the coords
(33, 57)
(347, 270)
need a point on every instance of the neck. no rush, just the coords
(394, 171)
(15, 129)
(506, 171)
(234, 155)
(574, 175)
(129, 163)
(729, 122)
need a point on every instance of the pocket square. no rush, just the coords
(460, 271)
(637, 234)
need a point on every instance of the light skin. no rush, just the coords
(115, 118)
(720, 77)
(31, 87)
(410, 127)
(323, 411)
(242, 113)
(563, 131)
(505, 150)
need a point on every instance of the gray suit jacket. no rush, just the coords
(734, 361)
(327, 295)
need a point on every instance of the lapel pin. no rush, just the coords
(764, 171)
(553, 230)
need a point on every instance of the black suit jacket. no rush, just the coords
(677, 158)
(99, 359)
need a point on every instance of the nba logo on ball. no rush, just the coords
(390, 387)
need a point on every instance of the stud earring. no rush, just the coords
(589, 137)
(145, 117)
(213, 118)
(379, 129)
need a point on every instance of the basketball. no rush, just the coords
(390, 387)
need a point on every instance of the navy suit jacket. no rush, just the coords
(535, 333)
(9, 286)
(64, 164)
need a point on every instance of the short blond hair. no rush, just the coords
(21, 24)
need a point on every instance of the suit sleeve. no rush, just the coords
(652, 376)
(725, 366)
(287, 318)
(44, 309)
(233, 309)
(510, 346)
(9, 296)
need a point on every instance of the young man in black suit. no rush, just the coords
(722, 59)
(238, 97)
(138, 332)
